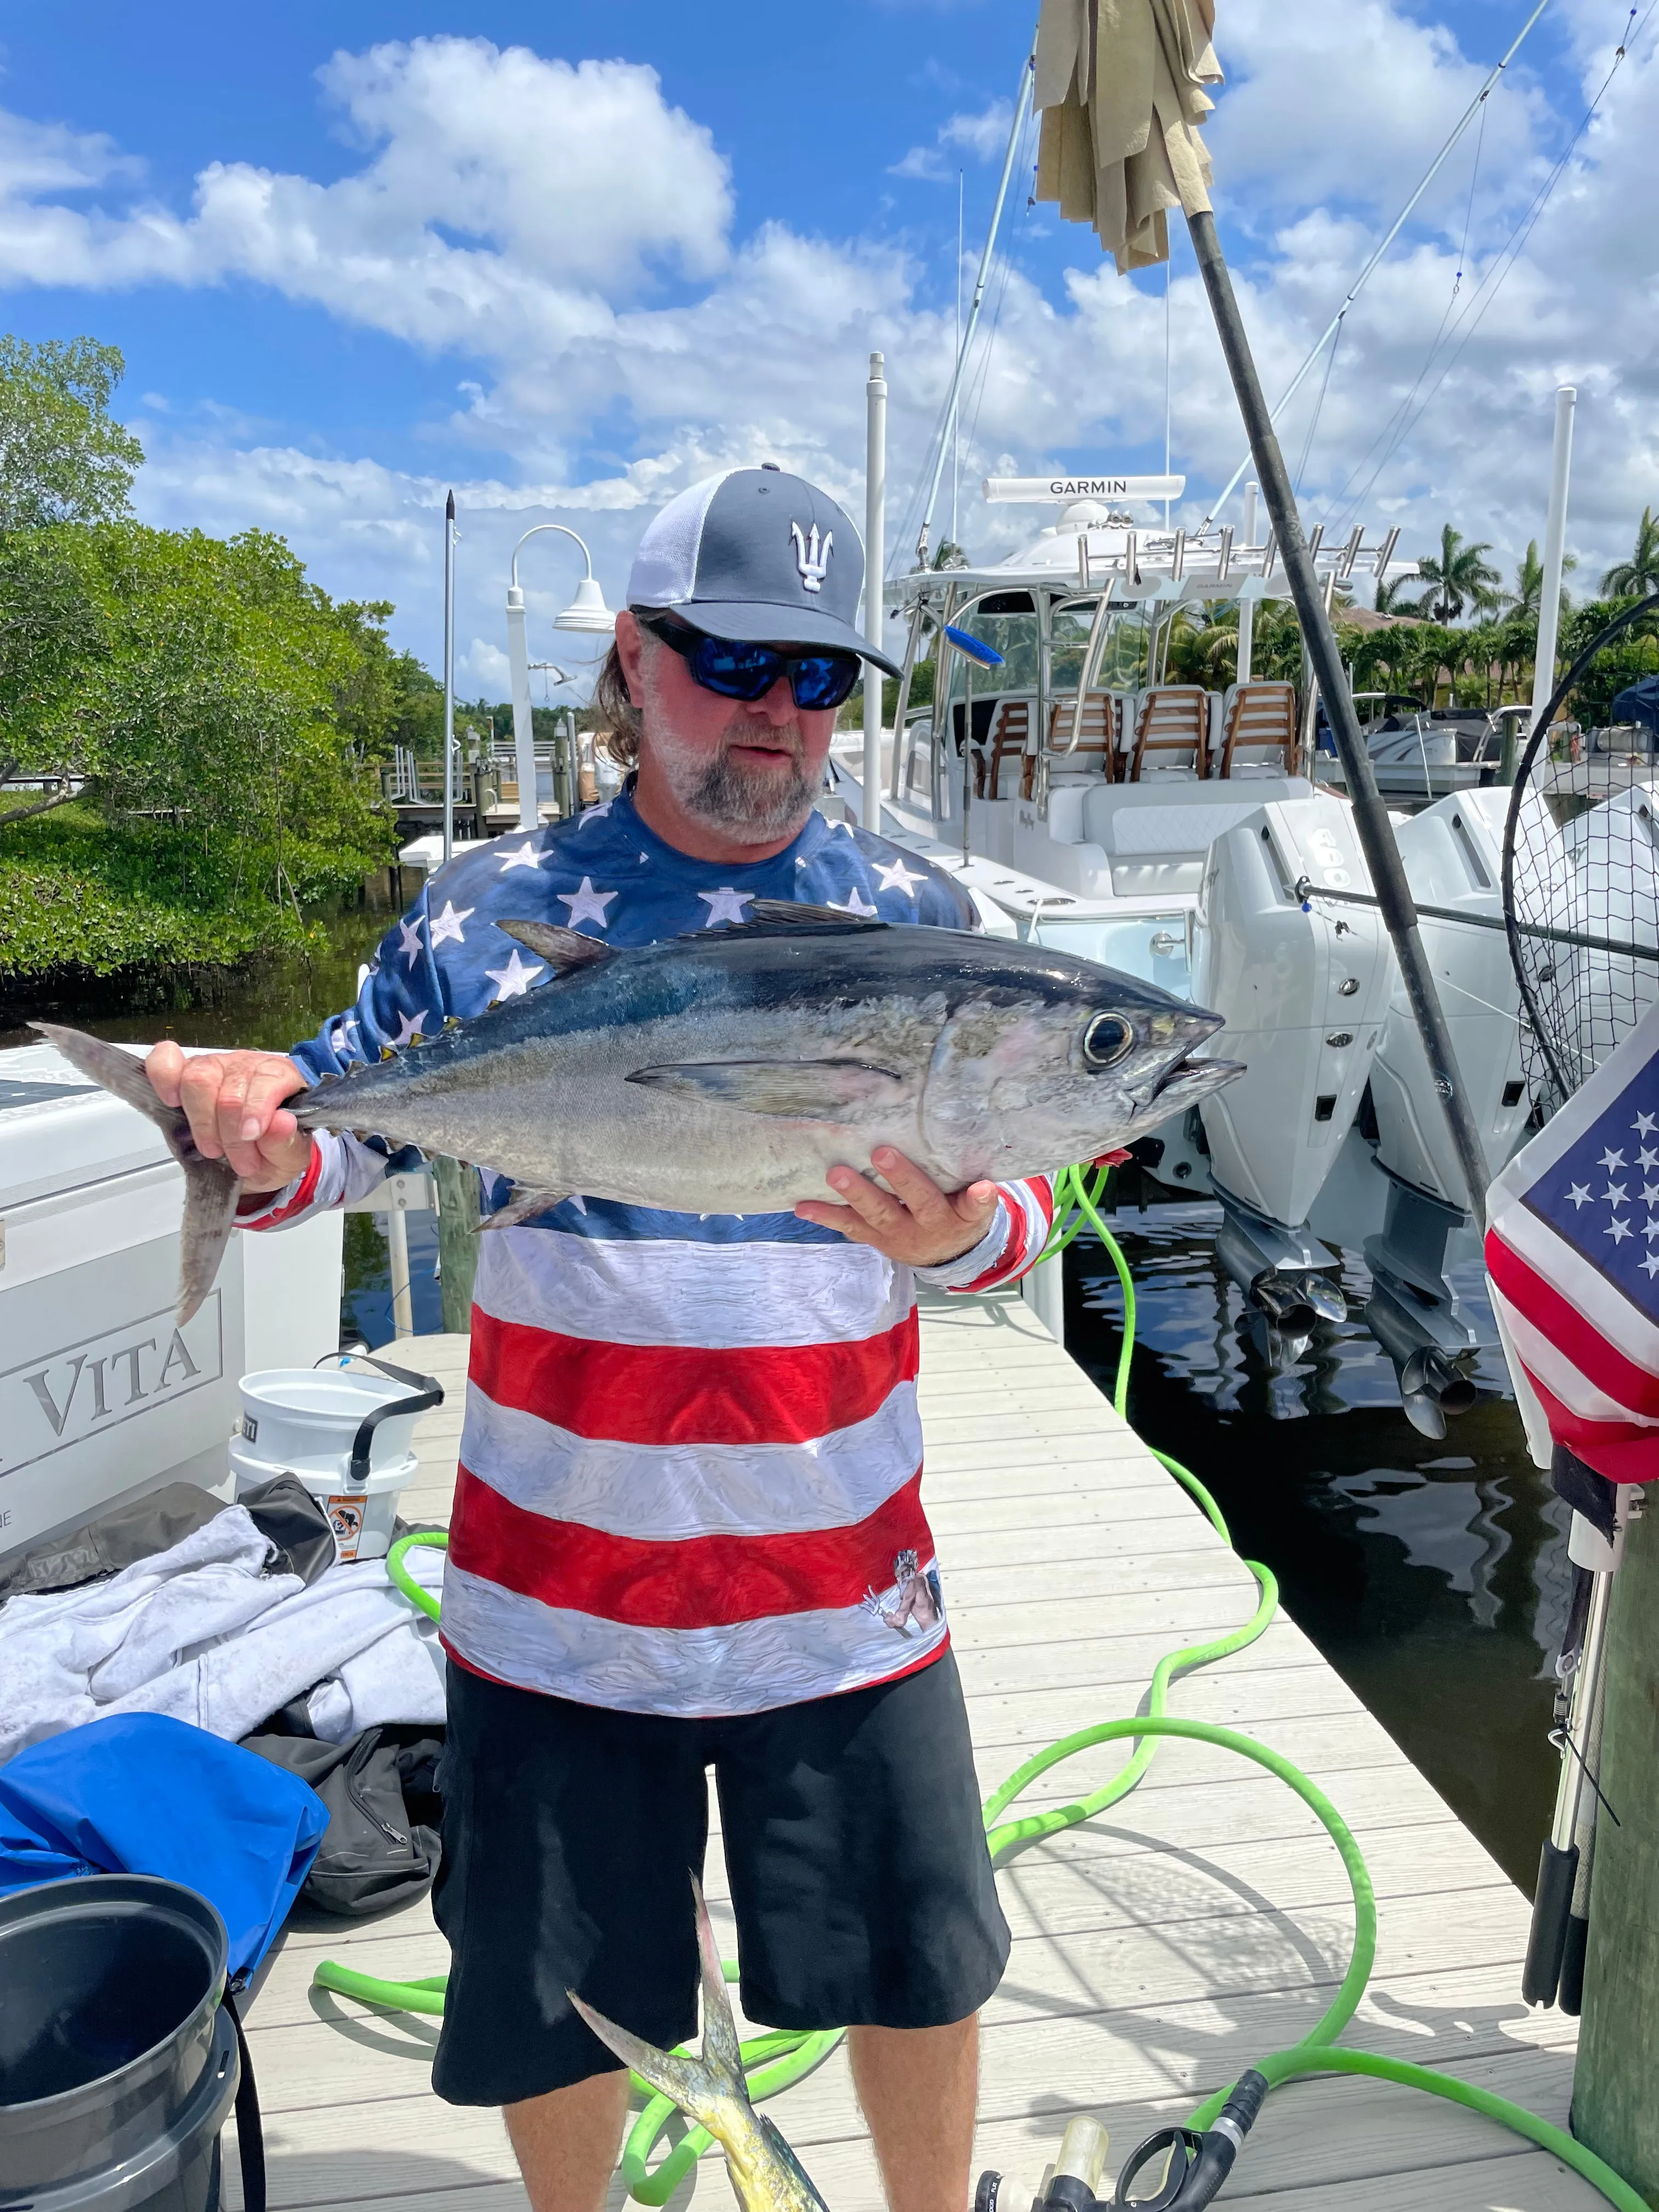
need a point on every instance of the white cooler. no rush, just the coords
(103, 1397)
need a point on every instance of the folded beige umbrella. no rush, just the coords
(1121, 86)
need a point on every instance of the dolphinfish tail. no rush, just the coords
(211, 1186)
(708, 2087)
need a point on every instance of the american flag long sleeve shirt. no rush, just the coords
(691, 1468)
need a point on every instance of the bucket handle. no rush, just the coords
(427, 1391)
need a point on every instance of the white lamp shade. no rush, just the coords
(587, 610)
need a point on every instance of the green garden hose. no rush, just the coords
(776, 2061)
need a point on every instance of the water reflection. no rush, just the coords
(1432, 1575)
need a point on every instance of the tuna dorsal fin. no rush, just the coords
(782, 917)
(792, 1090)
(562, 949)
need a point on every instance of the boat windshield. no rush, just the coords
(1122, 660)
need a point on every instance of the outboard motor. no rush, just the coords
(1413, 1312)
(1287, 1278)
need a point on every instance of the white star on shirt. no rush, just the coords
(854, 905)
(596, 814)
(896, 877)
(516, 977)
(1645, 1124)
(1614, 1192)
(585, 904)
(409, 1028)
(1610, 1160)
(448, 924)
(343, 1040)
(410, 947)
(1651, 1227)
(525, 856)
(1618, 1231)
(1650, 1193)
(1580, 1196)
(725, 904)
(1651, 1265)
(1648, 1159)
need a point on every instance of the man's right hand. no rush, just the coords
(233, 1102)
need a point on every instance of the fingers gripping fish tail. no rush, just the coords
(703, 2087)
(211, 1186)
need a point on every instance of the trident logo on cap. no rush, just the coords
(812, 563)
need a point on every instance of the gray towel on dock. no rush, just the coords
(203, 1633)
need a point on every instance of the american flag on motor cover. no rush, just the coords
(1572, 1253)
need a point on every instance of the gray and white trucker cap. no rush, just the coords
(759, 555)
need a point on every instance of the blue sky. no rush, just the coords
(569, 258)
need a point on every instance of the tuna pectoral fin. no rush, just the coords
(562, 949)
(794, 1090)
(524, 1205)
(210, 1186)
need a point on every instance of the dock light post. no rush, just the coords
(586, 612)
(875, 561)
(449, 677)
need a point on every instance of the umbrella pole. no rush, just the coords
(1394, 896)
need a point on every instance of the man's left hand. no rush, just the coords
(916, 1224)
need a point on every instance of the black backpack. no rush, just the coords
(380, 1847)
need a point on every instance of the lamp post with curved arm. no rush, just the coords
(586, 612)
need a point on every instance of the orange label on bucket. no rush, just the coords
(345, 1517)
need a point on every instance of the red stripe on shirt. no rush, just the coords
(673, 1394)
(306, 1191)
(698, 1582)
(1573, 1335)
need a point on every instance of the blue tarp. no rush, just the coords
(139, 1793)
(1639, 702)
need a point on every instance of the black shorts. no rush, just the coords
(863, 1890)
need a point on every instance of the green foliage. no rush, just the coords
(1631, 656)
(62, 458)
(1459, 578)
(221, 718)
(1628, 580)
(1529, 593)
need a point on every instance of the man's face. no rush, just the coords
(750, 771)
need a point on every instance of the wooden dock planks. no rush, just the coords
(1201, 1922)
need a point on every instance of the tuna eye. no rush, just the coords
(1106, 1040)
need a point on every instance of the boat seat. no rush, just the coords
(1259, 731)
(1172, 732)
(1097, 740)
(1009, 737)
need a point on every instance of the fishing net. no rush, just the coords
(1581, 888)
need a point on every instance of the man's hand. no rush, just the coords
(233, 1101)
(916, 1225)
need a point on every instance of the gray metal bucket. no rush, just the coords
(118, 2059)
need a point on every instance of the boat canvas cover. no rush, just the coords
(1639, 702)
(1572, 1253)
(140, 1793)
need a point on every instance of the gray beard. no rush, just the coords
(736, 801)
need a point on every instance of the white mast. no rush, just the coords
(1555, 535)
(875, 561)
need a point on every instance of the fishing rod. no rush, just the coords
(1022, 108)
(1359, 281)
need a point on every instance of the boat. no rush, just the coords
(1195, 837)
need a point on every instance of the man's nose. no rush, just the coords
(779, 704)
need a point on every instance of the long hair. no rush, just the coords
(620, 720)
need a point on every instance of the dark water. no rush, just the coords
(1432, 1576)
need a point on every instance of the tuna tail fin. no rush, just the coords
(211, 1186)
(705, 2088)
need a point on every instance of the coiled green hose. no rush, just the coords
(776, 2061)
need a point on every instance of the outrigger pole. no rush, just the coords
(1377, 841)
(1022, 106)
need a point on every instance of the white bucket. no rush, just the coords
(305, 1421)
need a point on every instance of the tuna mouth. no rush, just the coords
(1185, 1080)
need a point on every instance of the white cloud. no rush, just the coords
(522, 210)
(984, 136)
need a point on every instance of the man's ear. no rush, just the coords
(630, 655)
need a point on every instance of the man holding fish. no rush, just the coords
(687, 1528)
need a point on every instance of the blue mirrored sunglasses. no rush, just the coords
(818, 681)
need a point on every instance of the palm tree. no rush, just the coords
(1629, 580)
(1459, 576)
(1529, 593)
(1389, 600)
